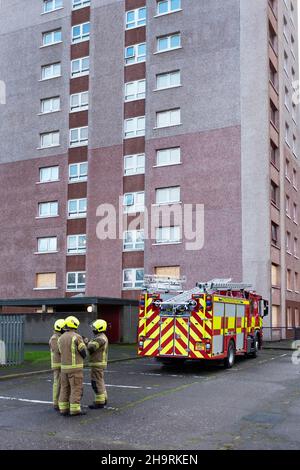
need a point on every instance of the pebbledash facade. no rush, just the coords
(162, 103)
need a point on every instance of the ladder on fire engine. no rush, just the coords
(223, 284)
(155, 283)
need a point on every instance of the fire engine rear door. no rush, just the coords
(182, 333)
(174, 336)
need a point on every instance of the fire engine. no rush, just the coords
(217, 320)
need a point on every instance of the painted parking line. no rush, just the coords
(27, 400)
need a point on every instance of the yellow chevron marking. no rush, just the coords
(154, 347)
(181, 349)
(151, 325)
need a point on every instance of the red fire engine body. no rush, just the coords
(216, 320)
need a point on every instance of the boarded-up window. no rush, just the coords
(45, 280)
(170, 271)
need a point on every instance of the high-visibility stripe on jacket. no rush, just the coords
(98, 348)
(54, 351)
(69, 344)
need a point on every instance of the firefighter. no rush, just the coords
(97, 348)
(73, 351)
(55, 359)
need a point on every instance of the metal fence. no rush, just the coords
(11, 340)
(281, 333)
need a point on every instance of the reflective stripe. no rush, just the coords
(95, 343)
(81, 346)
(73, 350)
(100, 398)
(102, 365)
(63, 405)
(74, 407)
(75, 366)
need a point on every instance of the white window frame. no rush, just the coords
(55, 142)
(169, 152)
(48, 241)
(136, 95)
(77, 4)
(168, 75)
(169, 10)
(137, 23)
(51, 101)
(79, 178)
(172, 113)
(52, 32)
(137, 131)
(80, 107)
(169, 200)
(44, 67)
(54, 2)
(78, 214)
(79, 142)
(295, 213)
(78, 249)
(135, 206)
(77, 286)
(136, 168)
(135, 245)
(49, 168)
(167, 235)
(50, 204)
(134, 284)
(81, 72)
(169, 40)
(135, 58)
(82, 36)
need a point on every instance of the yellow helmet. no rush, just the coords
(72, 322)
(59, 325)
(99, 325)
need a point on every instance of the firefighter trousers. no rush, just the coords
(56, 387)
(71, 391)
(98, 385)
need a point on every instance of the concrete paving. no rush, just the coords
(255, 405)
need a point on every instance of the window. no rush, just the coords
(48, 209)
(274, 193)
(49, 139)
(80, 3)
(134, 127)
(51, 5)
(47, 245)
(49, 174)
(135, 54)
(275, 316)
(169, 271)
(76, 281)
(287, 169)
(51, 71)
(45, 281)
(168, 156)
(273, 75)
(296, 248)
(79, 136)
(287, 134)
(273, 153)
(295, 213)
(287, 206)
(297, 317)
(285, 28)
(134, 202)
(293, 45)
(80, 67)
(168, 118)
(133, 278)
(168, 6)
(275, 275)
(294, 112)
(273, 114)
(274, 233)
(77, 208)
(50, 105)
(81, 32)
(76, 244)
(134, 164)
(288, 242)
(168, 80)
(78, 172)
(289, 280)
(133, 240)
(289, 317)
(296, 282)
(79, 101)
(135, 90)
(294, 145)
(168, 195)
(286, 63)
(51, 37)
(168, 235)
(136, 18)
(167, 43)
(286, 98)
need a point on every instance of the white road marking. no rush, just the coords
(283, 355)
(116, 386)
(27, 400)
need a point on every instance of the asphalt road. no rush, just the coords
(255, 405)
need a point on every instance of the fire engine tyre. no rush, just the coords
(256, 345)
(230, 359)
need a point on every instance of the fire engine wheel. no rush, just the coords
(230, 359)
(256, 346)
